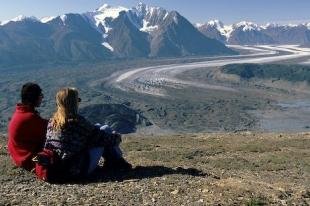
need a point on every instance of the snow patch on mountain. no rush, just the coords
(247, 26)
(269, 26)
(292, 25)
(47, 19)
(107, 11)
(175, 19)
(227, 30)
(147, 27)
(108, 46)
(19, 18)
(167, 13)
(197, 25)
(63, 18)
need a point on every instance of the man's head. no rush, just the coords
(31, 94)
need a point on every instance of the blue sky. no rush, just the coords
(229, 11)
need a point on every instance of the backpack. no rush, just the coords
(46, 165)
(50, 168)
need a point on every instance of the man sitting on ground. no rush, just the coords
(27, 129)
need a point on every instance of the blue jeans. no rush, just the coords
(97, 152)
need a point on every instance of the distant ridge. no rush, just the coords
(249, 33)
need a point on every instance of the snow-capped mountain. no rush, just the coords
(107, 32)
(248, 33)
(289, 34)
(103, 16)
(251, 33)
(215, 29)
(148, 19)
(246, 26)
(143, 28)
(19, 19)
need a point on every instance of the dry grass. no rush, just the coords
(194, 169)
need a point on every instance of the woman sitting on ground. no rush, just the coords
(77, 142)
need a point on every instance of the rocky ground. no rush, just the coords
(194, 169)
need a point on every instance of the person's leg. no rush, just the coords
(115, 151)
(94, 156)
(113, 156)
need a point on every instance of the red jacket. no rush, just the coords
(27, 131)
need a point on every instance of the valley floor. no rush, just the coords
(192, 169)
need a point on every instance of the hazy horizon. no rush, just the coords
(197, 11)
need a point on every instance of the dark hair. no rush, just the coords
(30, 93)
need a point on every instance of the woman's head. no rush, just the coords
(67, 107)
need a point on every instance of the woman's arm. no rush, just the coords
(96, 137)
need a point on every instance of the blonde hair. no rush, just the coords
(67, 107)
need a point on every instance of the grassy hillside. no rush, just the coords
(194, 169)
(293, 73)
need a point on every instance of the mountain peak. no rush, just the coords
(245, 23)
(100, 15)
(143, 10)
(217, 25)
(63, 18)
(109, 11)
(215, 22)
(141, 5)
(175, 16)
(246, 26)
(19, 18)
(149, 17)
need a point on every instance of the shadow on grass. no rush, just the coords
(138, 173)
(107, 175)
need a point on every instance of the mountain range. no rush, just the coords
(139, 32)
(248, 33)
(106, 33)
